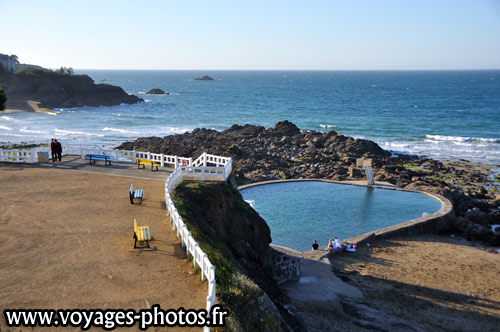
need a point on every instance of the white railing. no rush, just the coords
(210, 160)
(204, 167)
(18, 156)
(187, 240)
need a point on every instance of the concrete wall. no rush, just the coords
(21, 105)
(285, 267)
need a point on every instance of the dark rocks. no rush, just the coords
(285, 152)
(157, 92)
(56, 91)
(285, 128)
(477, 216)
(204, 78)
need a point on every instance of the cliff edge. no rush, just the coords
(236, 240)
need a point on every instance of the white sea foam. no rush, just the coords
(26, 130)
(449, 147)
(5, 128)
(461, 138)
(175, 130)
(123, 131)
(75, 132)
(13, 135)
(447, 138)
(327, 125)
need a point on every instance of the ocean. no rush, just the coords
(440, 114)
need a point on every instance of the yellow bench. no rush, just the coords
(144, 162)
(141, 234)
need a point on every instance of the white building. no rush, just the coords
(9, 62)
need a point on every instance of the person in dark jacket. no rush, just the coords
(53, 150)
(58, 147)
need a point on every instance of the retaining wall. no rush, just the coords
(285, 267)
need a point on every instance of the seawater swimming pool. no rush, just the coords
(300, 212)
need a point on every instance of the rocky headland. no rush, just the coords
(286, 152)
(62, 91)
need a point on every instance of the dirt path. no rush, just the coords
(66, 242)
(415, 283)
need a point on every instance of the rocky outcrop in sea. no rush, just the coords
(204, 78)
(156, 92)
(286, 152)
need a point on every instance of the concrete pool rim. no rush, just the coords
(436, 222)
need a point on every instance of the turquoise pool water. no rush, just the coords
(300, 212)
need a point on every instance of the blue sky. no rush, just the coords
(344, 35)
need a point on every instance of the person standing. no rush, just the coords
(58, 147)
(53, 150)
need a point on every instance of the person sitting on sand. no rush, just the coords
(330, 245)
(315, 245)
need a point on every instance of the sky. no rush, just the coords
(253, 35)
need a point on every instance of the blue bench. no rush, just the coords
(135, 194)
(94, 157)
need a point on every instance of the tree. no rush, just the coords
(64, 71)
(3, 98)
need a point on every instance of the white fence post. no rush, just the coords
(162, 162)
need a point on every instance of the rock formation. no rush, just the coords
(62, 91)
(285, 152)
(204, 78)
(156, 92)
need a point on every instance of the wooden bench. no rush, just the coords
(141, 234)
(144, 162)
(94, 157)
(135, 194)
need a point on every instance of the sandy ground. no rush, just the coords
(66, 242)
(414, 283)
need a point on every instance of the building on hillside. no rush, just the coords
(9, 62)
